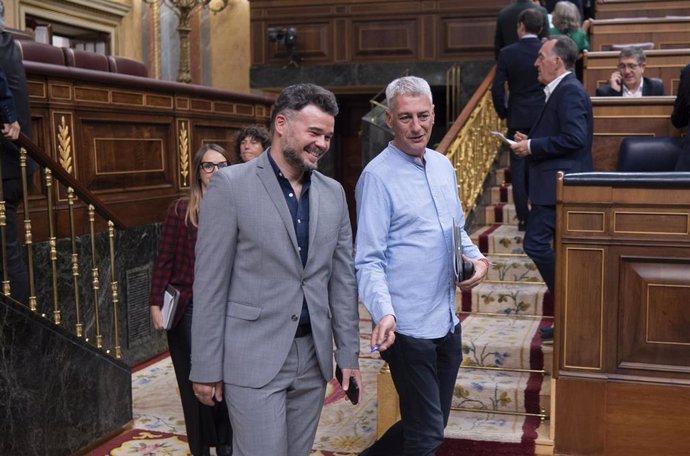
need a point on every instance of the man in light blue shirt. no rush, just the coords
(407, 201)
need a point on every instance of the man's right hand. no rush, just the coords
(383, 334)
(205, 392)
(615, 81)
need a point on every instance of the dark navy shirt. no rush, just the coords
(299, 210)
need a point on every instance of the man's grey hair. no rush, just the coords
(633, 51)
(566, 49)
(408, 86)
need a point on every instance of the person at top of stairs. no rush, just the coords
(407, 206)
(515, 66)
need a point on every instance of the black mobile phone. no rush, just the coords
(352, 392)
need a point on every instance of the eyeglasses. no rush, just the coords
(209, 167)
(629, 66)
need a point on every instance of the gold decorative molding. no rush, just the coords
(183, 147)
(156, 12)
(64, 140)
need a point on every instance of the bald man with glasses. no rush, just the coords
(628, 79)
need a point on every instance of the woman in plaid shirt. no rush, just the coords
(206, 426)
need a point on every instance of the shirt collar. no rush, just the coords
(528, 35)
(418, 161)
(306, 177)
(551, 86)
(637, 93)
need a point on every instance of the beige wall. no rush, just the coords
(229, 35)
(230, 47)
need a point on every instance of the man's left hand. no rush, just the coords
(521, 146)
(355, 373)
(480, 270)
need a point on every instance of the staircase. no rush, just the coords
(501, 403)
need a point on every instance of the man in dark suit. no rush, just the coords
(506, 24)
(560, 140)
(515, 67)
(681, 117)
(627, 80)
(11, 64)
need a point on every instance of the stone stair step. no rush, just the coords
(501, 194)
(503, 213)
(512, 268)
(499, 239)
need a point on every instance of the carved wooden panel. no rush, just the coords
(666, 33)
(612, 9)
(466, 34)
(653, 223)
(654, 301)
(376, 39)
(583, 308)
(616, 118)
(585, 221)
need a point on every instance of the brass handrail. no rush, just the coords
(469, 145)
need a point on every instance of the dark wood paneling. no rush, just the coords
(583, 308)
(612, 9)
(616, 118)
(665, 33)
(356, 31)
(622, 297)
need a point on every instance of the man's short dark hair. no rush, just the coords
(566, 49)
(296, 97)
(257, 132)
(633, 51)
(532, 19)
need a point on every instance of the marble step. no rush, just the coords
(503, 213)
(501, 194)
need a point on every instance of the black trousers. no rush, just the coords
(539, 239)
(424, 372)
(518, 179)
(16, 266)
(206, 426)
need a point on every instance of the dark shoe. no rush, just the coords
(205, 451)
(522, 226)
(224, 450)
(546, 333)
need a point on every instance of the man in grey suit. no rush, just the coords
(276, 286)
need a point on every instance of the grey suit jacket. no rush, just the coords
(249, 279)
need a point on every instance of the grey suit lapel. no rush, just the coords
(314, 198)
(270, 183)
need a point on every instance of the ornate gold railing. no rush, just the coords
(470, 147)
(61, 189)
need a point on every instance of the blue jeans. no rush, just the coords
(424, 373)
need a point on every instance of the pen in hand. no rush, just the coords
(375, 348)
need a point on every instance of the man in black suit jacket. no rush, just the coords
(560, 140)
(681, 117)
(506, 24)
(515, 67)
(627, 80)
(11, 64)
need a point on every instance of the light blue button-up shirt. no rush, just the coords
(404, 253)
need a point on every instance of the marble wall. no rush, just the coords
(136, 250)
(57, 393)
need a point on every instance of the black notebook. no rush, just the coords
(171, 296)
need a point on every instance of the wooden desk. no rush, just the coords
(665, 33)
(622, 341)
(612, 9)
(616, 118)
(664, 64)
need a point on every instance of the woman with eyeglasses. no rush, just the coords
(206, 426)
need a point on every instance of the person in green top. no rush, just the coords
(566, 21)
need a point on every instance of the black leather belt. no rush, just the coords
(303, 330)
